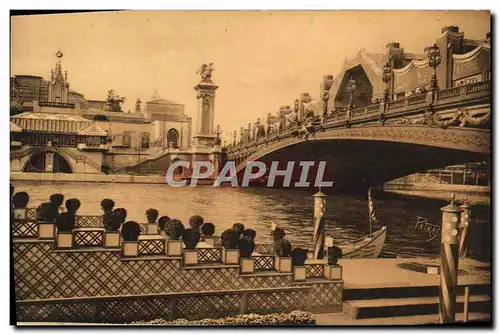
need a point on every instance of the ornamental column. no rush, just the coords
(205, 133)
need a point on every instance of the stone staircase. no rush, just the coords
(407, 304)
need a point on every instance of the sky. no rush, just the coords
(262, 59)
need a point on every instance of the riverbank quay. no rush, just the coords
(94, 178)
(86, 177)
(475, 194)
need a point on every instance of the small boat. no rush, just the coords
(369, 246)
(365, 247)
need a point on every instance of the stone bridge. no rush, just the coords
(377, 143)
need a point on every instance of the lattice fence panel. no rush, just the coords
(88, 221)
(263, 263)
(326, 297)
(88, 238)
(41, 273)
(24, 228)
(265, 249)
(56, 312)
(217, 242)
(277, 302)
(152, 247)
(144, 228)
(134, 310)
(201, 307)
(209, 255)
(314, 270)
(30, 213)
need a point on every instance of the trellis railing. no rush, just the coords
(265, 248)
(209, 255)
(314, 270)
(88, 237)
(88, 221)
(168, 306)
(143, 227)
(218, 241)
(263, 262)
(24, 228)
(151, 246)
(30, 213)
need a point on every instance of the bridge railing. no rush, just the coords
(448, 93)
(416, 99)
(367, 113)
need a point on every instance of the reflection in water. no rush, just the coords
(346, 215)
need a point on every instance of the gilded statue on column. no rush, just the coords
(205, 71)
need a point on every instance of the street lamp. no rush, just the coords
(434, 57)
(234, 138)
(386, 77)
(242, 131)
(249, 128)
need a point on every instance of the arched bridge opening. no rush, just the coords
(358, 164)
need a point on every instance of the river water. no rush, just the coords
(292, 209)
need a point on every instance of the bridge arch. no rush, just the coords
(36, 162)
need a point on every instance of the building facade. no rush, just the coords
(47, 115)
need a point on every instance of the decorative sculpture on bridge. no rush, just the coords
(205, 71)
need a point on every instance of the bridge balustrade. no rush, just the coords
(417, 99)
(373, 108)
(358, 111)
(478, 87)
(448, 95)
(396, 103)
(449, 92)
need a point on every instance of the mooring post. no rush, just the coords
(319, 224)
(449, 262)
(465, 220)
